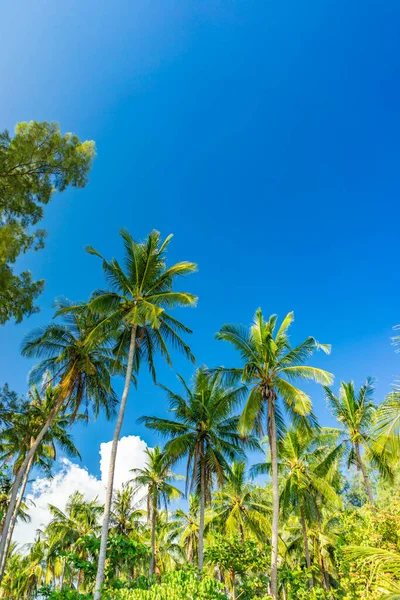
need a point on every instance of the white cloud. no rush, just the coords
(131, 455)
(71, 477)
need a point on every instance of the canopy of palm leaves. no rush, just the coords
(240, 507)
(270, 363)
(357, 414)
(203, 426)
(140, 295)
(82, 364)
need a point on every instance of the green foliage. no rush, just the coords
(178, 585)
(237, 557)
(120, 551)
(243, 564)
(296, 584)
(33, 164)
(67, 593)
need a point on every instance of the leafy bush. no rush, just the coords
(178, 585)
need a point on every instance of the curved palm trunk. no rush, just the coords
(270, 398)
(110, 480)
(18, 504)
(367, 482)
(202, 506)
(6, 538)
(306, 547)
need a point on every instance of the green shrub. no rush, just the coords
(179, 585)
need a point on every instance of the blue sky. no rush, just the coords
(263, 134)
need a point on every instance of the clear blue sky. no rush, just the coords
(263, 134)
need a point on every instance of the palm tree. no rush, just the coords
(135, 310)
(324, 534)
(16, 440)
(169, 552)
(205, 433)
(387, 422)
(67, 528)
(125, 514)
(239, 507)
(270, 364)
(305, 464)
(187, 528)
(156, 477)
(356, 413)
(81, 366)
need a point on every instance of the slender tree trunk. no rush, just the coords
(306, 548)
(62, 575)
(367, 482)
(270, 397)
(325, 577)
(317, 548)
(5, 538)
(233, 586)
(202, 506)
(189, 552)
(110, 481)
(241, 530)
(18, 503)
(153, 540)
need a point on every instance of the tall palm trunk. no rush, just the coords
(189, 551)
(63, 573)
(6, 538)
(18, 503)
(110, 480)
(202, 506)
(325, 577)
(363, 469)
(306, 547)
(270, 397)
(153, 537)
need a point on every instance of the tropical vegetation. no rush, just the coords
(246, 496)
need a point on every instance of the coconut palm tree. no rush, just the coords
(387, 422)
(82, 367)
(16, 440)
(135, 309)
(66, 528)
(125, 511)
(307, 464)
(187, 528)
(270, 364)
(169, 552)
(240, 507)
(205, 433)
(156, 477)
(356, 414)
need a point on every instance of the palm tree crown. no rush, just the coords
(139, 297)
(356, 412)
(239, 507)
(205, 432)
(82, 364)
